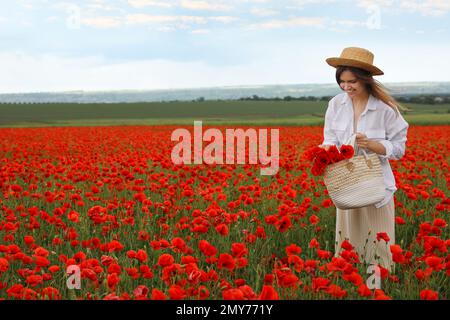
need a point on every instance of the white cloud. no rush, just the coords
(292, 22)
(263, 12)
(201, 31)
(204, 5)
(427, 7)
(150, 3)
(372, 3)
(139, 19)
(350, 23)
(223, 19)
(102, 22)
(424, 7)
(303, 3)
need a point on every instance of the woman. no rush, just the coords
(366, 108)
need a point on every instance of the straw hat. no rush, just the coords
(356, 57)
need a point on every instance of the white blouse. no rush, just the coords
(378, 122)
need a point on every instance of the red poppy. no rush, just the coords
(176, 292)
(283, 224)
(53, 269)
(364, 291)
(238, 250)
(441, 223)
(233, 294)
(322, 159)
(314, 243)
(320, 283)
(165, 260)
(380, 295)
(268, 293)
(428, 295)
(336, 291)
(29, 240)
(141, 255)
(334, 154)
(383, 235)
(222, 229)
(206, 248)
(226, 261)
(41, 261)
(158, 295)
(293, 249)
(347, 151)
(34, 280)
(313, 219)
(4, 265)
(346, 245)
(311, 153)
(434, 263)
(113, 280)
(324, 254)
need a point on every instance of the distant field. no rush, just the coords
(210, 112)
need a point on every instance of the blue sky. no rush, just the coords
(153, 44)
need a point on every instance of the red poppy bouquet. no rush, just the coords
(321, 158)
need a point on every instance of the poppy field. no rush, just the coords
(110, 202)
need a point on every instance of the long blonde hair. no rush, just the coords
(373, 86)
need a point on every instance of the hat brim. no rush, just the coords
(336, 62)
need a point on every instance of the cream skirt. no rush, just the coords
(360, 228)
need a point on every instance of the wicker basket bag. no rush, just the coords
(356, 182)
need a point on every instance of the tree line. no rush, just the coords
(420, 99)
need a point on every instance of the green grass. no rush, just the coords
(279, 113)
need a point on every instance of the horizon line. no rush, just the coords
(204, 88)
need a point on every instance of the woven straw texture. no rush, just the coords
(355, 183)
(356, 57)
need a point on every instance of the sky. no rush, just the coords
(97, 45)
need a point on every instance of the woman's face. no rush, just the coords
(350, 84)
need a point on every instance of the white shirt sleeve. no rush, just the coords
(329, 137)
(396, 130)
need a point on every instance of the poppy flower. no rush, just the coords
(364, 291)
(334, 154)
(346, 245)
(268, 293)
(336, 291)
(293, 249)
(380, 295)
(383, 236)
(34, 280)
(347, 151)
(140, 291)
(320, 284)
(429, 295)
(238, 250)
(112, 280)
(4, 265)
(222, 229)
(141, 255)
(226, 261)
(283, 224)
(206, 248)
(434, 263)
(158, 295)
(233, 294)
(165, 260)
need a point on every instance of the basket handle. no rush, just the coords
(352, 141)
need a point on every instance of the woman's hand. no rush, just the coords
(362, 141)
